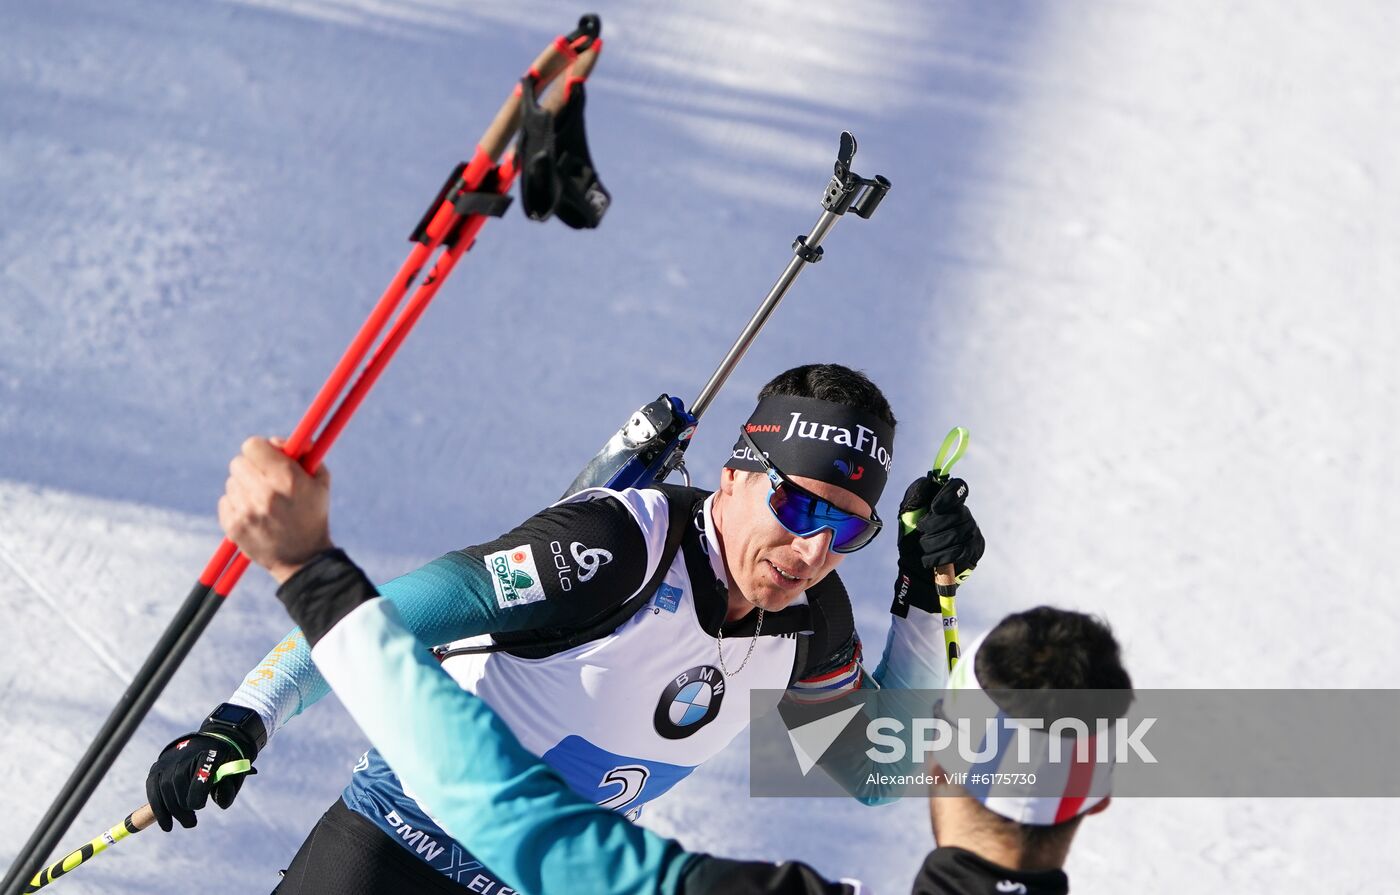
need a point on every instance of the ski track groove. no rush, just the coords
(89, 640)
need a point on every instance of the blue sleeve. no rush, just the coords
(456, 596)
(515, 814)
(445, 600)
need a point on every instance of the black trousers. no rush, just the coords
(346, 854)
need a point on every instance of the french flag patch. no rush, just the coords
(831, 685)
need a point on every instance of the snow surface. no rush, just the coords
(1144, 251)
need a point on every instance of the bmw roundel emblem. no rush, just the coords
(690, 701)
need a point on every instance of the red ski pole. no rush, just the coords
(505, 177)
(474, 191)
(442, 224)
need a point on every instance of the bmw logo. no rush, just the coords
(690, 701)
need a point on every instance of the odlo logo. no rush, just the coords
(588, 559)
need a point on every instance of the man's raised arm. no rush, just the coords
(915, 657)
(277, 514)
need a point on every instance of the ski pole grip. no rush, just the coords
(507, 121)
(945, 578)
(558, 96)
(134, 822)
(143, 817)
(583, 65)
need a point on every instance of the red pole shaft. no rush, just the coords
(411, 312)
(220, 572)
(311, 461)
(228, 565)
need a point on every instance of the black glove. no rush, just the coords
(947, 533)
(183, 777)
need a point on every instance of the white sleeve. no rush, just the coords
(915, 656)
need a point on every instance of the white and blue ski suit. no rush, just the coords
(620, 718)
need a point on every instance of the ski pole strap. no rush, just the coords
(557, 174)
(950, 452)
(953, 447)
(562, 51)
(218, 736)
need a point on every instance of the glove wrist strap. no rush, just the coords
(237, 747)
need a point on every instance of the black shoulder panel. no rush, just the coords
(833, 639)
(589, 555)
(538, 644)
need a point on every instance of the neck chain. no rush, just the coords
(719, 646)
(719, 638)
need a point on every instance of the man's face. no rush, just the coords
(770, 565)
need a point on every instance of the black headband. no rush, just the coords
(835, 443)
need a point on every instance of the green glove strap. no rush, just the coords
(218, 736)
(230, 768)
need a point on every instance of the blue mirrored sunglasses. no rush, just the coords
(805, 514)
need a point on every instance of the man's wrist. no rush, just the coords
(281, 571)
(323, 591)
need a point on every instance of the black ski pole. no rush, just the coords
(651, 444)
(846, 192)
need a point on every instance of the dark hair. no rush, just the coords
(834, 383)
(1050, 649)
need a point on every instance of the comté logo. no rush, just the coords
(514, 577)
